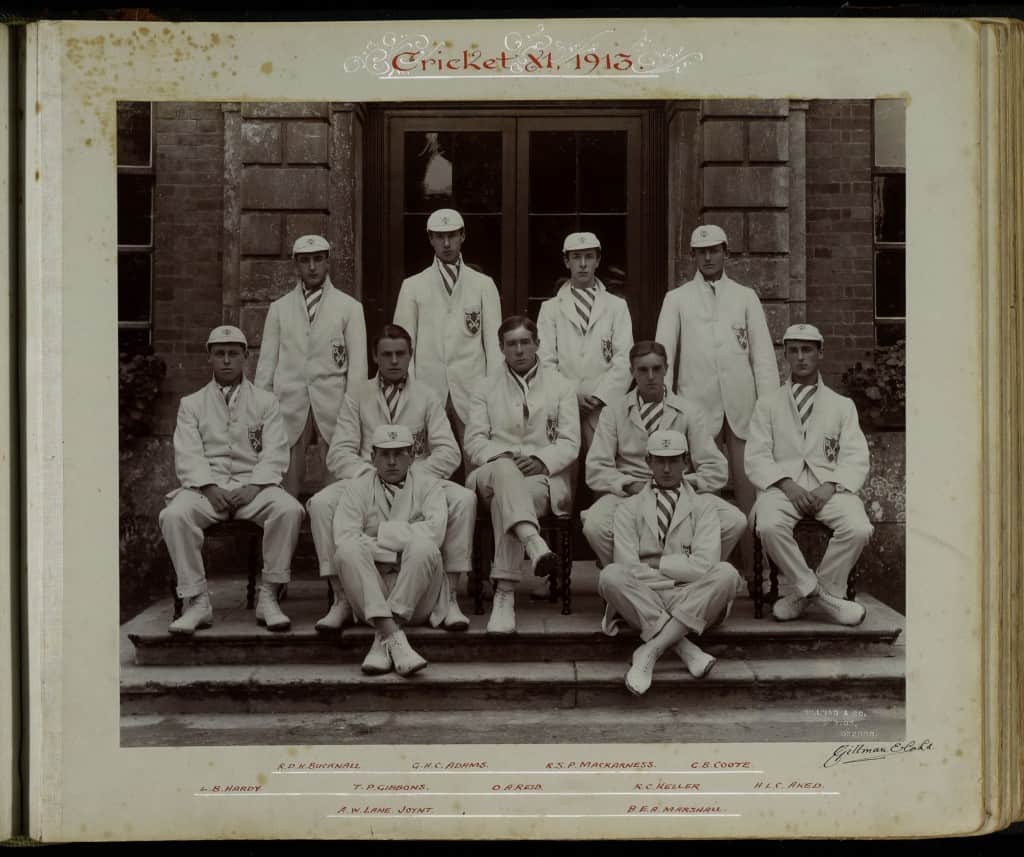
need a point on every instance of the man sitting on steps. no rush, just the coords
(667, 580)
(230, 454)
(389, 528)
(393, 398)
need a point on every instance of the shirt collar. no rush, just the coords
(530, 373)
(385, 384)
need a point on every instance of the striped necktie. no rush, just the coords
(391, 490)
(391, 394)
(584, 299)
(312, 302)
(449, 274)
(229, 393)
(667, 499)
(650, 414)
(803, 396)
(524, 381)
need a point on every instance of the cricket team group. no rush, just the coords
(655, 428)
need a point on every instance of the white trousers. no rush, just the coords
(295, 475)
(513, 499)
(599, 525)
(411, 593)
(456, 551)
(774, 518)
(189, 513)
(699, 605)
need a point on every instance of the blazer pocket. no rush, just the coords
(739, 332)
(339, 352)
(471, 320)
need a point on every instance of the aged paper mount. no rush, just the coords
(84, 786)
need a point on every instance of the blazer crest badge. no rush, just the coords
(339, 353)
(552, 427)
(256, 438)
(419, 443)
(606, 349)
(472, 318)
(832, 449)
(741, 335)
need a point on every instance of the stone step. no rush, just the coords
(706, 720)
(812, 681)
(543, 634)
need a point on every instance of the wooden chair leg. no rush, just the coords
(475, 584)
(757, 592)
(565, 544)
(172, 577)
(252, 566)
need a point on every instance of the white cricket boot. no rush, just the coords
(197, 612)
(268, 611)
(405, 659)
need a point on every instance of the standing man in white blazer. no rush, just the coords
(586, 333)
(668, 580)
(720, 355)
(393, 398)
(617, 462)
(523, 437)
(230, 453)
(314, 343)
(389, 528)
(808, 457)
(452, 313)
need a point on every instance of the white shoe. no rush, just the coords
(455, 619)
(789, 607)
(377, 660)
(337, 617)
(503, 613)
(839, 609)
(641, 673)
(546, 564)
(405, 659)
(698, 662)
(268, 611)
(197, 613)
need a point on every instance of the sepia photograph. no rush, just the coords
(511, 422)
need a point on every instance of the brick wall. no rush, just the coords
(188, 146)
(840, 263)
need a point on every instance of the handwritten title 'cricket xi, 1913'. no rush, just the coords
(473, 60)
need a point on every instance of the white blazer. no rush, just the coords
(834, 447)
(419, 409)
(618, 454)
(455, 339)
(308, 366)
(692, 546)
(596, 361)
(720, 353)
(245, 445)
(552, 432)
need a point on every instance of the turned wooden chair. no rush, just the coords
(557, 532)
(807, 529)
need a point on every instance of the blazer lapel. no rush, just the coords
(649, 510)
(634, 412)
(568, 306)
(402, 508)
(600, 304)
(683, 510)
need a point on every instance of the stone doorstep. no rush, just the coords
(443, 686)
(543, 634)
(710, 721)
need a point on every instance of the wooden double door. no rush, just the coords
(523, 179)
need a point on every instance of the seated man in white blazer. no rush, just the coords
(523, 436)
(452, 313)
(230, 454)
(314, 343)
(617, 462)
(808, 457)
(668, 580)
(393, 398)
(585, 333)
(389, 528)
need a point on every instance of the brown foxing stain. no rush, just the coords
(267, 67)
(261, 779)
(88, 141)
(37, 175)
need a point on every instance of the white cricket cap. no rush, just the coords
(445, 220)
(226, 334)
(580, 241)
(804, 332)
(311, 244)
(666, 442)
(708, 236)
(391, 437)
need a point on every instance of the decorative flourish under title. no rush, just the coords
(536, 54)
